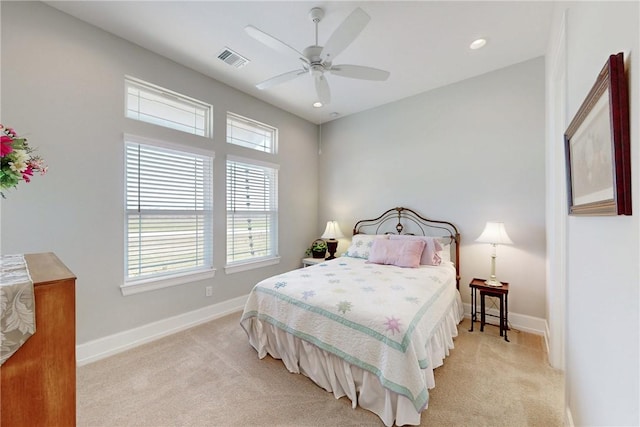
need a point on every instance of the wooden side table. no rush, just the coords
(500, 292)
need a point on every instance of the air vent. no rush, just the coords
(233, 58)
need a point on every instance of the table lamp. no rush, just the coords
(331, 233)
(496, 234)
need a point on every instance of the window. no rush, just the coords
(251, 134)
(168, 213)
(153, 104)
(252, 213)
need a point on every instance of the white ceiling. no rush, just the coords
(424, 44)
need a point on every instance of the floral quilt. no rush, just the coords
(377, 317)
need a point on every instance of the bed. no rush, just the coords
(372, 324)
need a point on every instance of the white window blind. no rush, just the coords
(153, 104)
(252, 210)
(251, 134)
(168, 210)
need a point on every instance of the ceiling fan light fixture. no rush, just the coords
(317, 104)
(477, 44)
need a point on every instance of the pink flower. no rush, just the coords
(37, 164)
(5, 145)
(27, 174)
(18, 161)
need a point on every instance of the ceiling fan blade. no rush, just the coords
(359, 72)
(345, 33)
(290, 75)
(322, 89)
(274, 43)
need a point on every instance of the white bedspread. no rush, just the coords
(379, 318)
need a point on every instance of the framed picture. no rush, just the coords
(597, 147)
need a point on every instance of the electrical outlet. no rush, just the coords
(208, 291)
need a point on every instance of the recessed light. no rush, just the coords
(317, 104)
(477, 44)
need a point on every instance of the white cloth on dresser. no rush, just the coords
(17, 305)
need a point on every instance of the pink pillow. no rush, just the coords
(402, 253)
(430, 255)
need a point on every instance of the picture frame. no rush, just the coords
(597, 147)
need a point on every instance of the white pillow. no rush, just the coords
(445, 255)
(361, 245)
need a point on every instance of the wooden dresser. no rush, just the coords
(38, 383)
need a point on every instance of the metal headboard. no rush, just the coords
(406, 221)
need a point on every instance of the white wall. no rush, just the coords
(602, 253)
(62, 87)
(556, 193)
(467, 153)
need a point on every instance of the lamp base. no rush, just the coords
(332, 247)
(493, 282)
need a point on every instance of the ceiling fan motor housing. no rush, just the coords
(312, 53)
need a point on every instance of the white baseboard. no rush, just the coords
(568, 418)
(547, 337)
(113, 344)
(521, 322)
(117, 343)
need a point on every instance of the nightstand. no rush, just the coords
(500, 292)
(306, 262)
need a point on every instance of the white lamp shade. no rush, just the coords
(494, 233)
(332, 231)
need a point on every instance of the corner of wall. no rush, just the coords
(521, 322)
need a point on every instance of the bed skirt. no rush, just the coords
(343, 379)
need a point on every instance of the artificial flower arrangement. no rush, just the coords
(318, 249)
(17, 161)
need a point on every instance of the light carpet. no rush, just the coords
(210, 376)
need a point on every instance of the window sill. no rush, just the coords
(250, 265)
(145, 285)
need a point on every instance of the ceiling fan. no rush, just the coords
(317, 60)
